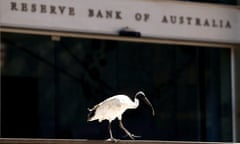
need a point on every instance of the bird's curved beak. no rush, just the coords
(145, 99)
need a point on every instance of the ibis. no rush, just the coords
(113, 107)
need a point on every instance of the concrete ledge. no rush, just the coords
(85, 141)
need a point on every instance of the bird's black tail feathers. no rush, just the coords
(91, 112)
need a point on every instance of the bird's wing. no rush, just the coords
(97, 105)
(109, 101)
(94, 108)
(114, 102)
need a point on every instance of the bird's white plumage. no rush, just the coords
(113, 108)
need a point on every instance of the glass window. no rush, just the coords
(48, 86)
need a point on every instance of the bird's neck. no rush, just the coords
(136, 102)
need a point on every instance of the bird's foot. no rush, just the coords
(132, 136)
(112, 140)
(135, 136)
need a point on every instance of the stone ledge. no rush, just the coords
(86, 141)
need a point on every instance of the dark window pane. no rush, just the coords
(188, 86)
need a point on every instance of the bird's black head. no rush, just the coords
(142, 96)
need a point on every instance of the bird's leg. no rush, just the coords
(126, 131)
(110, 132)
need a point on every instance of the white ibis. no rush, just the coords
(114, 107)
